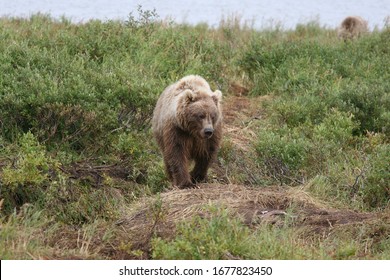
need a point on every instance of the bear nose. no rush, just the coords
(208, 132)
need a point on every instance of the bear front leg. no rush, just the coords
(202, 162)
(199, 173)
(176, 163)
(178, 167)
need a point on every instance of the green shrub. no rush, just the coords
(283, 154)
(375, 185)
(332, 141)
(145, 19)
(26, 177)
(335, 132)
(298, 110)
(31, 164)
(369, 104)
(147, 164)
(78, 202)
(357, 176)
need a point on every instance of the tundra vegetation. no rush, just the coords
(303, 170)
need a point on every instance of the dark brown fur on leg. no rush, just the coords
(176, 158)
(199, 173)
(203, 161)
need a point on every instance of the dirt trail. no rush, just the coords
(239, 114)
(159, 214)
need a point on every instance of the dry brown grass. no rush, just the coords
(276, 205)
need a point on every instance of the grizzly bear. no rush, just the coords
(352, 27)
(187, 125)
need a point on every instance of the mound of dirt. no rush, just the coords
(160, 214)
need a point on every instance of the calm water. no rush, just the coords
(260, 13)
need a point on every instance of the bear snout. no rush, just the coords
(208, 132)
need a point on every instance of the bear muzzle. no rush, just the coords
(208, 132)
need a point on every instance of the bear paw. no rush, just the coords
(187, 185)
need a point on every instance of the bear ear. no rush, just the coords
(189, 95)
(217, 96)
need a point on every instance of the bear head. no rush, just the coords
(199, 112)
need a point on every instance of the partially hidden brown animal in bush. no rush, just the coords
(187, 124)
(352, 27)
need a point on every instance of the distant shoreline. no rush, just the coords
(271, 25)
(259, 16)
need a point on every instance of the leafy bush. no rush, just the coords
(282, 154)
(77, 202)
(298, 110)
(26, 177)
(375, 186)
(30, 166)
(369, 104)
(147, 163)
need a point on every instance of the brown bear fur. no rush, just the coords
(352, 27)
(187, 124)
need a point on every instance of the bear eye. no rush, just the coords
(201, 116)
